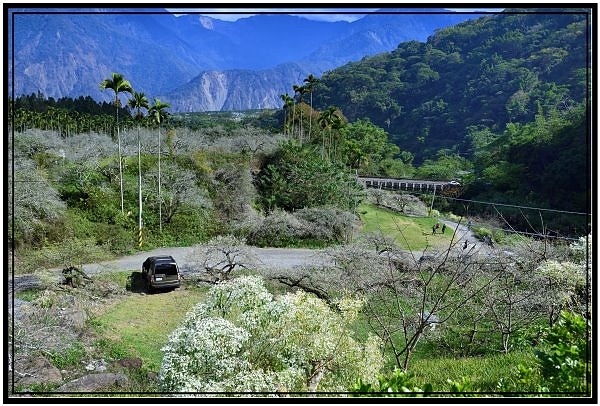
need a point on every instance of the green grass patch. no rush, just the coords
(68, 357)
(482, 373)
(140, 325)
(121, 278)
(413, 233)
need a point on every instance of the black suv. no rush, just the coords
(161, 272)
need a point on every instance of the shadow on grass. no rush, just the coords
(136, 283)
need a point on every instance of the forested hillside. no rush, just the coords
(507, 92)
(482, 73)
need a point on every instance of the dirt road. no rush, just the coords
(283, 258)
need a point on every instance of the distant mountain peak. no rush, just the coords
(206, 22)
(159, 52)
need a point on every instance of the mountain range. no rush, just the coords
(197, 62)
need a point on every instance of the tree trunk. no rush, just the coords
(139, 190)
(159, 191)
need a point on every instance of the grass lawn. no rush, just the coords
(482, 373)
(414, 233)
(140, 325)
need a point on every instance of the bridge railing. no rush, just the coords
(403, 184)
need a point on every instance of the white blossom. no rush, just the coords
(244, 339)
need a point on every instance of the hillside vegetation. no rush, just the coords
(508, 92)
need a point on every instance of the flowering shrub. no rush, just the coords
(317, 224)
(243, 339)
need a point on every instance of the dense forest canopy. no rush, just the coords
(483, 73)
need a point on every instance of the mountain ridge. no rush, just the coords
(69, 53)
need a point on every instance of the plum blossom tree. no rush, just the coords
(180, 189)
(244, 339)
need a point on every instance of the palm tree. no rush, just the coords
(139, 102)
(118, 84)
(287, 103)
(158, 115)
(328, 119)
(310, 81)
(299, 92)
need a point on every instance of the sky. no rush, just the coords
(342, 15)
(330, 14)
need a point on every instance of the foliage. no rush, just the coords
(242, 339)
(310, 226)
(563, 361)
(398, 382)
(566, 354)
(504, 98)
(297, 176)
(482, 233)
(180, 190)
(36, 204)
(232, 192)
(69, 356)
(543, 161)
(496, 68)
(447, 166)
(70, 252)
(367, 148)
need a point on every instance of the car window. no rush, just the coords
(167, 269)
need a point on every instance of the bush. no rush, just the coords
(278, 229)
(496, 235)
(310, 226)
(563, 361)
(328, 224)
(297, 176)
(244, 339)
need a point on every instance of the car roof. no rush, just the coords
(161, 258)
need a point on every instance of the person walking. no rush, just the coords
(443, 228)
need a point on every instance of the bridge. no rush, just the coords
(411, 184)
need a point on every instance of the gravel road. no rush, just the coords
(282, 258)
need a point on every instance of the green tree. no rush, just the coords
(299, 92)
(367, 148)
(563, 361)
(297, 176)
(329, 119)
(288, 102)
(180, 190)
(118, 84)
